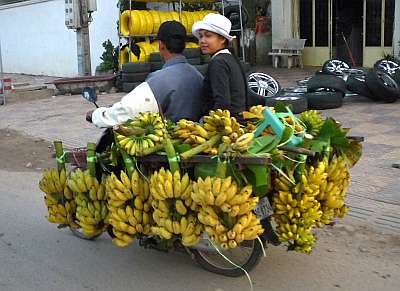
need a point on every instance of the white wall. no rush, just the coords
(396, 34)
(281, 19)
(35, 40)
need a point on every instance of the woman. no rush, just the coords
(225, 85)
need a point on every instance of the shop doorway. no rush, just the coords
(347, 26)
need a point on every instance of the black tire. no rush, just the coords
(194, 61)
(382, 86)
(327, 65)
(136, 67)
(191, 53)
(253, 260)
(297, 103)
(156, 66)
(232, 13)
(358, 86)
(127, 87)
(327, 82)
(134, 77)
(324, 100)
(155, 57)
(396, 77)
(205, 59)
(202, 68)
(387, 65)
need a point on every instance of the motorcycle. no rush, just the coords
(233, 262)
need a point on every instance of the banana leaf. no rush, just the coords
(181, 148)
(259, 176)
(263, 144)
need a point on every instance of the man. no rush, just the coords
(176, 89)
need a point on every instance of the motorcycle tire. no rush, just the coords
(324, 100)
(383, 86)
(211, 264)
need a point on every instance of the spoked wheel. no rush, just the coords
(387, 80)
(389, 67)
(263, 84)
(247, 255)
(335, 67)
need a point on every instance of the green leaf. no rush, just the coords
(263, 144)
(259, 176)
(280, 107)
(181, 148)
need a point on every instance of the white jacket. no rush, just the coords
(140, 99)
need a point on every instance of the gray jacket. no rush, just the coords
(178, 88)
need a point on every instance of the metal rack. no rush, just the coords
(147, 36)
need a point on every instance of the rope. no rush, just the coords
(237, 266)
(61, 159)
(262, 246)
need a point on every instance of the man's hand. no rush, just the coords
(89, 116)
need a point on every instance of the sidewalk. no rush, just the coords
(374, 192)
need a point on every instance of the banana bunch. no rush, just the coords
(225, 210)
(90, 199)
(333, 192)
(243, 142)
(255, 113)
(129, 204)
(312, 120)
(173, 207)
(58, 197)
(153, 132)
(296, 208)
(221, 121)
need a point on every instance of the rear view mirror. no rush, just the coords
(89, 94)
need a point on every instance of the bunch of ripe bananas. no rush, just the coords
(58, 197)
(173, 207)
(312, 120)
(226, 210)
(152, 133)
(129, 204)
(296, 208)
(333, 191)
(90, 199)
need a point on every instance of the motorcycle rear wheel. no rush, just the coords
(247, 255)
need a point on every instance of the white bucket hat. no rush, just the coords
(216, 23)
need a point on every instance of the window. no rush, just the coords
(373, 23)
(389, 22)
(321, 23)
(306, 21)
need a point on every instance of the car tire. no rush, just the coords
(396, 77)
(358, 86)
(383, 86)
(202, 68)
(297, 103)
(127, 87)
(324, 100)
(155, 57)
(134, 77)
(326, 81)
(194, 61)
(156, 66)
(136, 67)
(191, 53)
(333, 66)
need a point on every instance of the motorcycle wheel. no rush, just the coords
(247, 255)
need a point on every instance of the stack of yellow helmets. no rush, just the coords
(142, 22)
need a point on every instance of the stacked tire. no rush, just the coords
(132, 74)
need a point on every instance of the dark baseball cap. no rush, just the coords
(171, 29)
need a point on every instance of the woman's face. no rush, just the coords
(210, 42)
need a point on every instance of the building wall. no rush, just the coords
(36, 41)
(396, 34)
(281, 19)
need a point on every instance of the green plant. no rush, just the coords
(109, 57)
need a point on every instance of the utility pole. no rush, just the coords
(83, 41)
